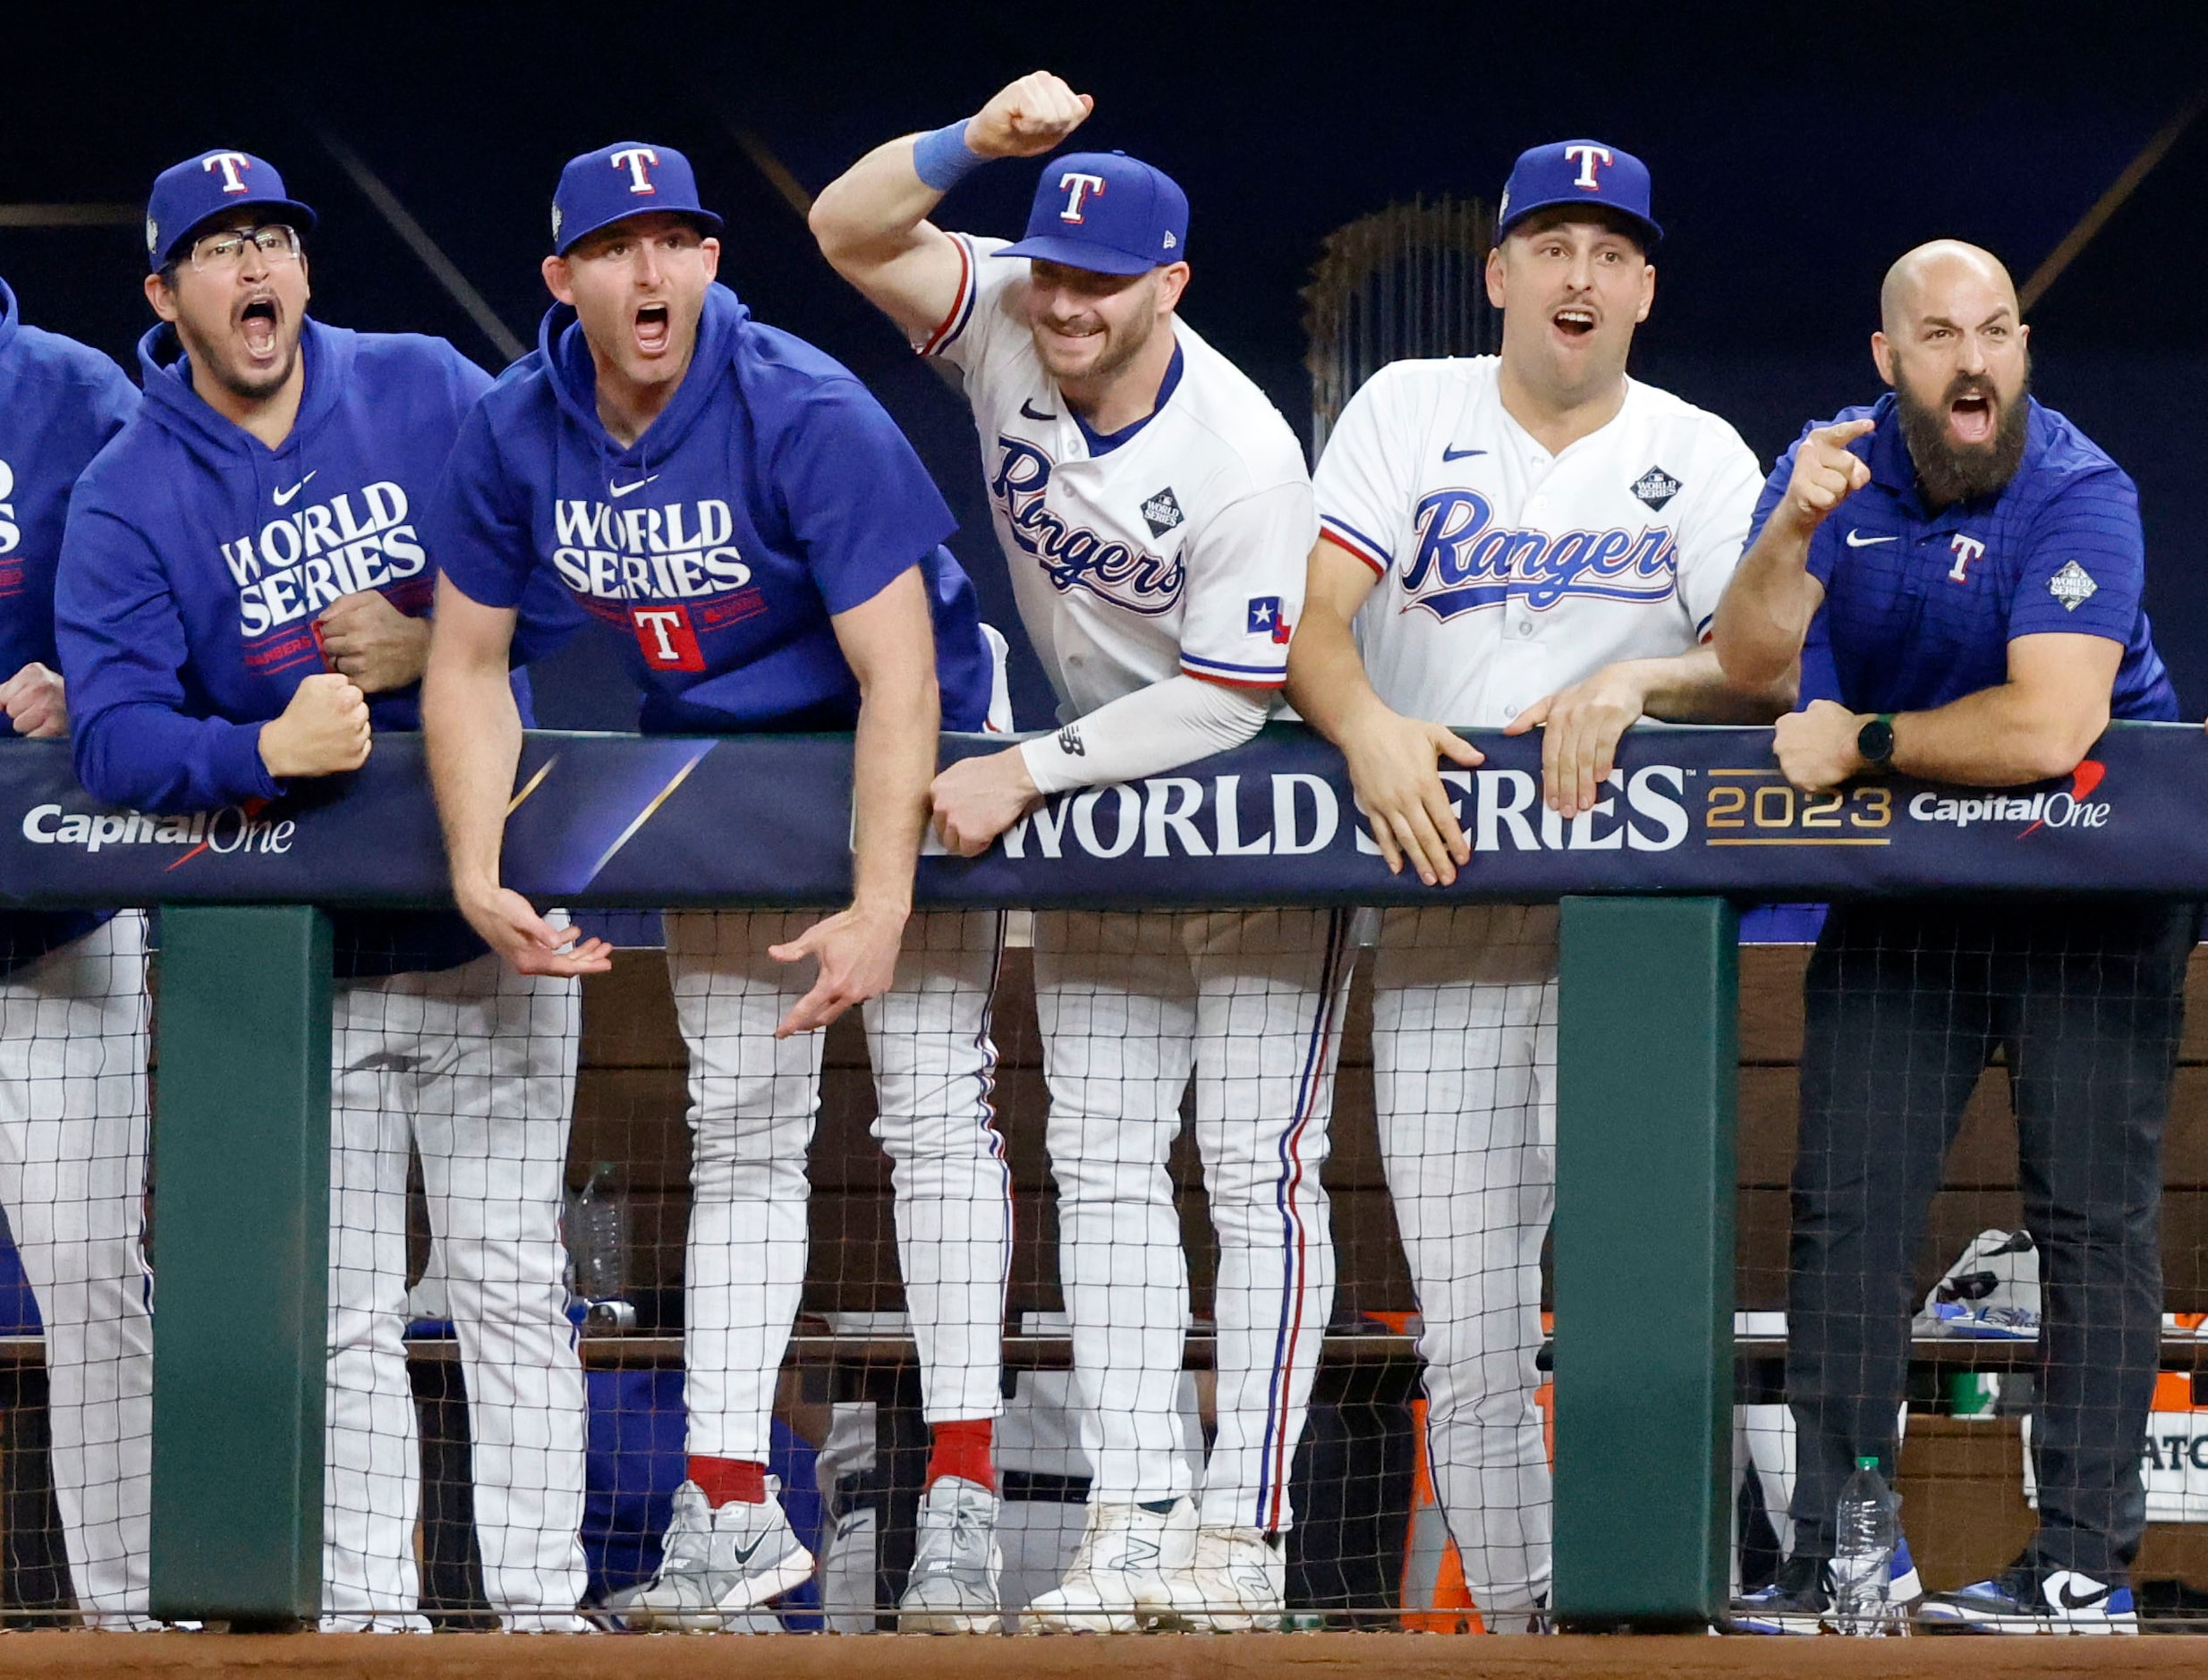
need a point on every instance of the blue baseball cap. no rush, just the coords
(614, 182)
(1106, 212)
(1578, 172)
(207, 184)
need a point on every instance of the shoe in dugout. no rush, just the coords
(1238, 1583)
(1130, 1572)
(2031, 1598)
(716, 1565)
(952, 1588)
(1991, 1294)
(1800, 1601)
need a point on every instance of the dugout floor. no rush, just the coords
(1253, 1656)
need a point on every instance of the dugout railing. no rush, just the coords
(1643, 1234)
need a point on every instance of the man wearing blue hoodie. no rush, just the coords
(72, 1024)
(240, 607)
(744, 515)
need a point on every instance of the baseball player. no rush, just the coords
(1527, 540)
(766, 547)
(73, 1024)
(1153, 508)
(1959, 571)
(238, 610)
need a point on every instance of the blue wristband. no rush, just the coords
(943, 160)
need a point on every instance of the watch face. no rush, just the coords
(1874, 741)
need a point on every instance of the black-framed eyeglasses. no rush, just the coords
(277, 242)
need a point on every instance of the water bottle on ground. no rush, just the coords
(1863, 1561)
(598, 1241)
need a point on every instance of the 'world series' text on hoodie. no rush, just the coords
(771, 492)
(196, 559)
(60, 401)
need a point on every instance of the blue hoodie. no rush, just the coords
(772, 492)
(59, 403)
(197, 557)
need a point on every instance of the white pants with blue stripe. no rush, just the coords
(72, 1178)
(474, 1067)
(1463, 1076)
(1130, 1005)
(752, 1100)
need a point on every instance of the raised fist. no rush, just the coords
(1028, 118)
(323, 731)
(1825, 474)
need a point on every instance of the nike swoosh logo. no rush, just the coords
(2068, 1600)
(1448, 454)
(284, 497)
(623, 489)
(744, 1554)
(1028, 409)
(1856, 540)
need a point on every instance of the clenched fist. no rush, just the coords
(32, 700)
(1028, 118)
(322, 732)
(1825, 474)
(366, 637)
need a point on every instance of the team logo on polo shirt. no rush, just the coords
(2073, 586)
(1161, 512)
(1656, 486)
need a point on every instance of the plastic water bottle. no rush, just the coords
(598, 1241)
(1863, 1561)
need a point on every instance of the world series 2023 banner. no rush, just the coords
(620, 819)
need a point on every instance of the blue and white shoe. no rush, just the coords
(2032, 1598)
(1975, 1323)
(1800, 1602)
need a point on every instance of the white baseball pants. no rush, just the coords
(1464, 1074)
(753, 1102)
(72, 1177)
(1250, 1004)
(475, 1066)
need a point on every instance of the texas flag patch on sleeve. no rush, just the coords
(1265, 618)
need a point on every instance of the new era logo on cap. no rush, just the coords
(210, 183)
(625, 179)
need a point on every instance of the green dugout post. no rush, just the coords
(1647, 1062)
(240, 1144)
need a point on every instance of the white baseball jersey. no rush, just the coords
(1506, 573)
(1176, 544)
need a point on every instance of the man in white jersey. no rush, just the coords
(1522, 541)
(1154, 507)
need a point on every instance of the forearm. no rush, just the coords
(872, 214)
(1692, 688)
(892, 763)
(1327, 681)
(1767, 607)
(149, 758)
(473, 732)
(1998, 737)
(1147, 733)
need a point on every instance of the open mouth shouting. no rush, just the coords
(1973, 414)
(258, 321)
(654, 329)
(1574, 320)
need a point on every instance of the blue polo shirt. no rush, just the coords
(1921, 605)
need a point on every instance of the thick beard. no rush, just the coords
(1950, 474)
(1117, 355)
(245, 388)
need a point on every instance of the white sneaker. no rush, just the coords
(1238, 1583)
(715, 1565)
(953, 1586)
(1124, 1575)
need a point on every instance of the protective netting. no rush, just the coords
(1966, 1252)
(1231, 1225)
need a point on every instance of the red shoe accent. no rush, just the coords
(963, 1450)
(729, 1481)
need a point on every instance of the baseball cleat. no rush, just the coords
(716, 1565)
(1123, 1577)
(2030, 1598)
(1238, 1584)
(953, 1585)
(1800, 1602)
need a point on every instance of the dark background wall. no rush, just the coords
(1796, 150)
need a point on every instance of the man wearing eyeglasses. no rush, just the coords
(241, 605)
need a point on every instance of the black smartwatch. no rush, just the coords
(1874, 743)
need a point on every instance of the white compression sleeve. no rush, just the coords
(1152, 730)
